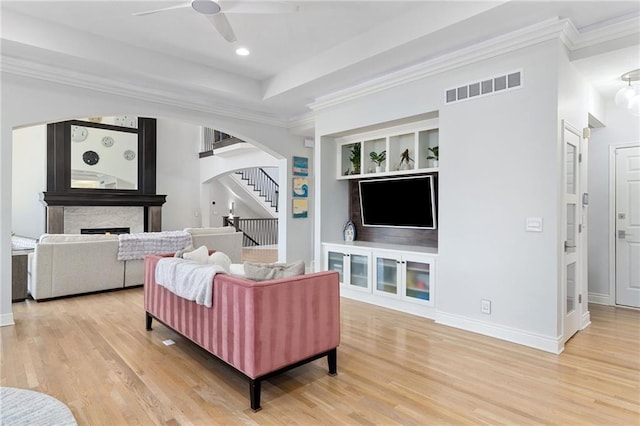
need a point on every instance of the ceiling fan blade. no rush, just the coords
(221, 24)
(149, 12)
(258, 7)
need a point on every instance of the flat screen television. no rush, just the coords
(405, 202)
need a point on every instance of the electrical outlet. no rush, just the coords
(485, 306)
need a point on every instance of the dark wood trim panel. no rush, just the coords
(147, 161)
(102, 199)
(404, 236)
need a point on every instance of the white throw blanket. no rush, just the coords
(188, 279)
(136, 246)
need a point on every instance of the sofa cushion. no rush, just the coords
(200, 255)
(219, 230)
(272, 271)
(220, 259)
(73, 238)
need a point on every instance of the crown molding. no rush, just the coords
(546, 30)
(302, 122)
(139, 91)
(611, 32)
(551, 29)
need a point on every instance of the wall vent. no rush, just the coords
(497, 84)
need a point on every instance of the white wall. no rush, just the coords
(29, 180)
(498, 165)
(177, 173)
(621, 128)
(26, 101)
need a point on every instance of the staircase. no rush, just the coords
(262, 185)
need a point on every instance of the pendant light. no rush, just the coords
(629, 96)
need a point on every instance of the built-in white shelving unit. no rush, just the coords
(414, 138)
(393, 276)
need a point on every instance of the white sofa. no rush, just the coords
(67, 264)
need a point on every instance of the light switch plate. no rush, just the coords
(534, 224)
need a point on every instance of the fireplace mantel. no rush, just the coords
(101, 199)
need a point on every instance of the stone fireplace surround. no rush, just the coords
(72, 219)
(78, 218)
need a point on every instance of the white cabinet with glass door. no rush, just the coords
(352, 265)
(404, 276)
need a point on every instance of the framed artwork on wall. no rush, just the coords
(300, 166)
(300, 187)
(300, 207)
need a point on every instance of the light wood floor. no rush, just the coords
(93, 353)
(267, 254)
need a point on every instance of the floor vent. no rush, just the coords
(501, 83)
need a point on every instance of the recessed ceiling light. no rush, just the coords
(242, 51)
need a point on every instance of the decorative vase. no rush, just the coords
(379, 169)
(436, 163)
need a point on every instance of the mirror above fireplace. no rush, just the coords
(103, 158)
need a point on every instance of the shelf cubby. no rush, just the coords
(416, 138)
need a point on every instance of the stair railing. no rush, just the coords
(256, 232)
(263, 184)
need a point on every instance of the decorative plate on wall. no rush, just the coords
(91, 158)
(126, 121)
(78, 134)
(107, 141)
(129, 155)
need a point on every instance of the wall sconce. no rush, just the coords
(629, 96)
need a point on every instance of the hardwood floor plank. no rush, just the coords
(93, 353)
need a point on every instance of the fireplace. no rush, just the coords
(94, 231)
(70, 209)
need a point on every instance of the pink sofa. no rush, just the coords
(259, 328)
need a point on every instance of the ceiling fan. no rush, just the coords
(215, 11)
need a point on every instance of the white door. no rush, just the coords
(572, 270)
(628, 226)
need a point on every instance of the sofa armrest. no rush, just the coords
(272, 324)
(40, 282)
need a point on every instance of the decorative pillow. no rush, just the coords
(200, 255)
(180, 253)
(237, 270)
(220, 259)
(272, 271)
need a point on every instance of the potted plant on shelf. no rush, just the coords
(434, 155)
(354, 158)
(378, 159)
(405, 161)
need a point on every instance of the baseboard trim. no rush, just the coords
(6, 319)
(536, 341)
(586, 320)
(599, 299)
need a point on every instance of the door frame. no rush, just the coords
(612, 217)
(579, 259)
